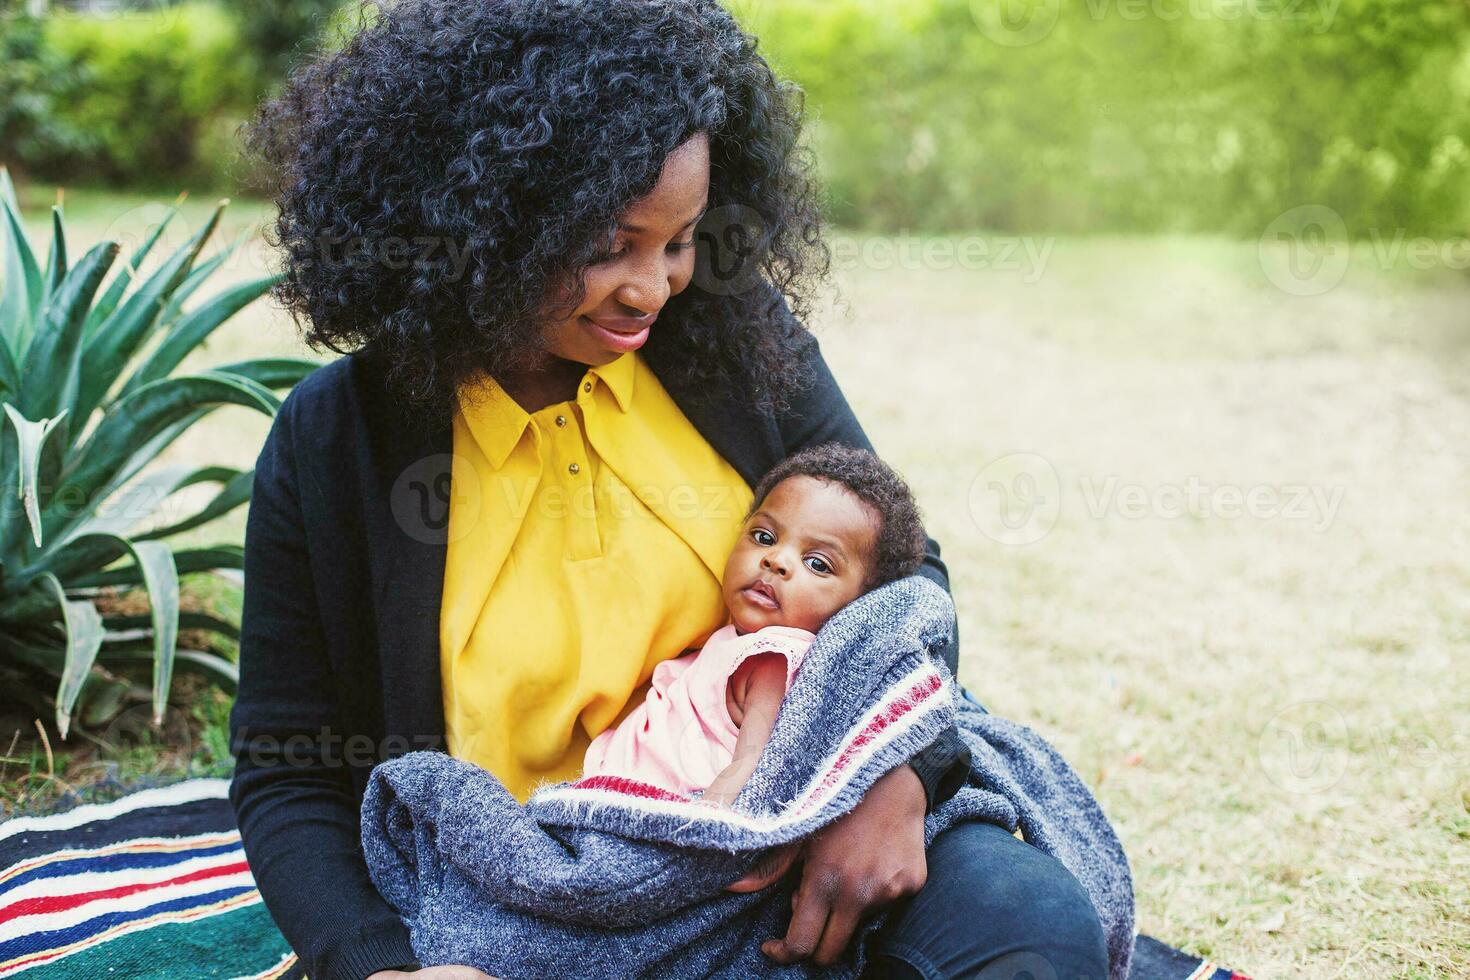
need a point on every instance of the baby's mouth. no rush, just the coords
(761, 594)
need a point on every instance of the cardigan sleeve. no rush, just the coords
(820, 413)
(294, 802)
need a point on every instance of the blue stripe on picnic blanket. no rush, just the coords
(35, 941)
(85, 862)
(194, 817)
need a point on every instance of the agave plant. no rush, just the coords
(90, 400)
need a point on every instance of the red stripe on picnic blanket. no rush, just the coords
(60, 903)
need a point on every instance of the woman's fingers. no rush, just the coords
(769, 870)
(808, 922)
(840, 927)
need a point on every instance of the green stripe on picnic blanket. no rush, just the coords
(209, 947)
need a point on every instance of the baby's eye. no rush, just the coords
(821, 565)
(760, 534)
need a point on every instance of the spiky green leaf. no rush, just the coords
(119, 337)
(212, 666)
(133, 432)
(30, 437)
(84, 633)
(193, 328)
(56, 258)
(126, 275)
(52, 366)
(187, 561)
(22, 296)
(271, 372)
(155, 568)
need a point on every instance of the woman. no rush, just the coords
(566, 246)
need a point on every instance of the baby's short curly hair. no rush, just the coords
(442, 174)
(901, 542)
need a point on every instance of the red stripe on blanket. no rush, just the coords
(60, 903)
(916, 695)
(630, 787)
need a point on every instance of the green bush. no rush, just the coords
(148, 89)
(1157, 115)
(30, 72)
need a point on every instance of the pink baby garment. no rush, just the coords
(681, 737)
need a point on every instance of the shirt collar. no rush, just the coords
(498, 422)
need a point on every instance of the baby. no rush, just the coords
(827, 525)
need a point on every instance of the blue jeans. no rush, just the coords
(993, 907)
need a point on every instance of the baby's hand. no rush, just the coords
(724, 789)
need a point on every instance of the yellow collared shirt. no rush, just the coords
(586, 545)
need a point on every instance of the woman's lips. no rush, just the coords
(622, 334)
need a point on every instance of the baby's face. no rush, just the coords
(809, 543)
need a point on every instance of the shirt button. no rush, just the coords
(561, 420)
(586, 386)
(573, 468)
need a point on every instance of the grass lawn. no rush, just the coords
(1207, 536)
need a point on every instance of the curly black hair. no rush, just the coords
(900, 542)
(473, 157)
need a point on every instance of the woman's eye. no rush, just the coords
(608, 256)
(821, 565)
(681, 246)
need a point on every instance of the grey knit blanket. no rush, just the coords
(607, 877)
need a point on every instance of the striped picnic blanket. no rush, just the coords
(152, 885)
(155, 885)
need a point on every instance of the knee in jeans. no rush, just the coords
(1064, 936)
(1069, 938)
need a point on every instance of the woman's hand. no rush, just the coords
(863, 861)
(433, 973)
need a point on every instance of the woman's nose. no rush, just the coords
(648, 288)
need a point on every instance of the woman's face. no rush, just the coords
(651, 259)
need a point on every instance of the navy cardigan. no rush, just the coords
(339, 650)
